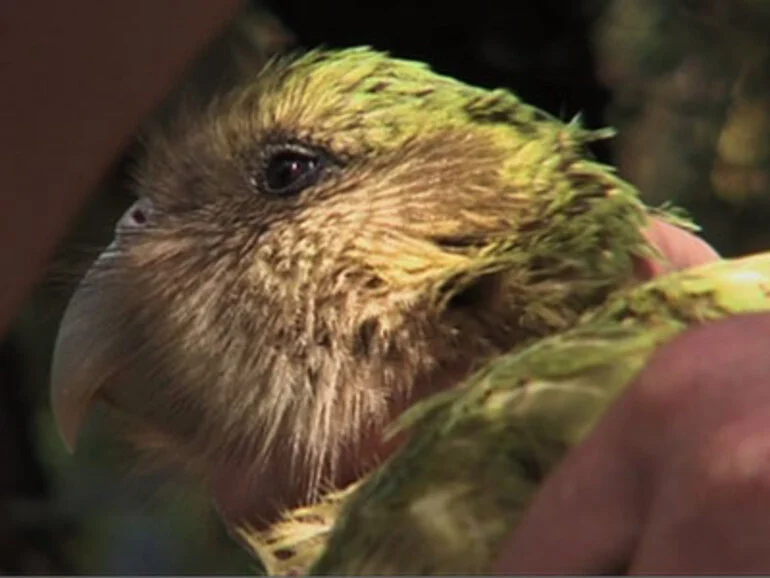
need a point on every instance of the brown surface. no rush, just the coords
(108, 62)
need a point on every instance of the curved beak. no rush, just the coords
(80, 361)
(84, 355)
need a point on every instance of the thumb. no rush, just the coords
(679, 249)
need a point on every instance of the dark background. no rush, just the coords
(687, 82)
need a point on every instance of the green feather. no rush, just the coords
(557, 233)
(445, 502)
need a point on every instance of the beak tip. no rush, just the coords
(69, 438)
(80, 364)
(68, 419)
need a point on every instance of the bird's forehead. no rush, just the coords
(356, 103)
(364, 97)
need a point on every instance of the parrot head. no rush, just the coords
(338, 238)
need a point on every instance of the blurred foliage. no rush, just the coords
(687, 82)
(690, 84)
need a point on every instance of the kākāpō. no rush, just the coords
(342, 237)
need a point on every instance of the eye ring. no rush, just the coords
(287, 170)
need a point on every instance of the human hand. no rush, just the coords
(676, 477)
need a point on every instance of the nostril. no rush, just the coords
(136, 216)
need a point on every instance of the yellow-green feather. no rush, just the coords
(477, 453)
(561, 230)
(563, 227)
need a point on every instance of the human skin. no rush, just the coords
(699, 458)
(676, 477)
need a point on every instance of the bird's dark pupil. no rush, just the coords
(287, 169)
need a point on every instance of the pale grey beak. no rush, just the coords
(83, 359)
(73, 387)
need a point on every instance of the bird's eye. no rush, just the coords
(289, 171)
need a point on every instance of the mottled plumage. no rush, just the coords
(265, 335)
(445, 503)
